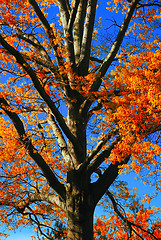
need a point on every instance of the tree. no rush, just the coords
(70, 124)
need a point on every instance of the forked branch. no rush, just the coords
(106, 179)
(102, 156)
(101, 144)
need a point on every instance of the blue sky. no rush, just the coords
(21, 235)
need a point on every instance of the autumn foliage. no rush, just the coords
(80, 104)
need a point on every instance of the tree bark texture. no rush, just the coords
(80, 208)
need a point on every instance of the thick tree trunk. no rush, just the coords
(79, 200)
(80, 225)
(80, 209)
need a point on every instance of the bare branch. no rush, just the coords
(33, 218)
(43, 197)
(45, 60)
(51, 37)
(31, 40)
(153, 3)
(99, 146)
(95, 108)
(64, 10)
(44, 63)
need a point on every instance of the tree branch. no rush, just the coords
(96, 59)
(34, 218)
(101, 157)
(66, 18)
(48, 30)
(61, 141)
(78, 28)
(129, 223)
(64, 9)
(73, 16)
(115, 47)
(44, 63)
(95, 108)
(40, 89)
(43, 197)
(106, 179)
(32, 151)
(93, 167)
(153, 3)
(87, 37)
(29, 38)
(69, 92)
(101, 144)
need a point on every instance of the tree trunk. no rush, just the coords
(79, 200)
(80, 226)
(80, 209)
